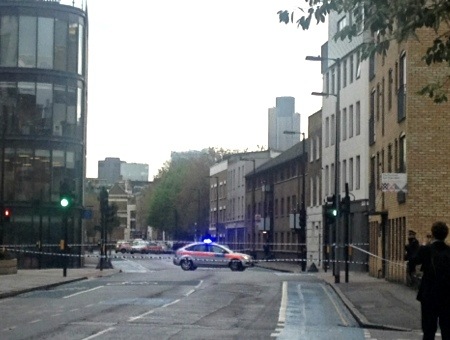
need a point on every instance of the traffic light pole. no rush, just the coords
(346, 226)
(337, 178)
(65, 240)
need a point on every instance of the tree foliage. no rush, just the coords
(388, 20)
(180, 200)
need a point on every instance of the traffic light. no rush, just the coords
(330, 209)
(6, 214)
(65, 196)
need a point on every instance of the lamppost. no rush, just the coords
(301, 208)
(217, 209)
(337, 62)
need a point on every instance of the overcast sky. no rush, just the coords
(177, 75)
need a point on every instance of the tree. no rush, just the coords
(396, 20)
(180, 195)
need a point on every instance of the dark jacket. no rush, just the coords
(435, 260)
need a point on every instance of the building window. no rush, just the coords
(344, 174)
(46, 43)
(390, 85)
(358, 173)
(358, 119)
(402, 153)
(351, 69)
(45, 46)
(327, 82)
(341, 23)
(344, 124)
(327, 180)
(372, 130)
(350, 174)
(27, 41)
(317, 198)
(344, 73)
(9, 32)
(350, 121)
(333, 81)
(327, 132)
(389, 160)
(358, 65)
(332, 173)
(333, 130)
(401, 94)
(318, 149)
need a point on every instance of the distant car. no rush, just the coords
(208, 254)
(139, 246)
(155, 248)
(123, 247)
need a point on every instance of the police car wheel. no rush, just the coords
(186, 264)
(235, 265)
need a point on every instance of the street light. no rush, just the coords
(337, 61)
(217, 209)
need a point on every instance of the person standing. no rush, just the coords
(410, 252)
(434, 289)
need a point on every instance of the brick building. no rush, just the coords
(409, 134)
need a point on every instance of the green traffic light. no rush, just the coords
(64, 202)
(334, 212)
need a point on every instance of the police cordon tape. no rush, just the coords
(170, 257)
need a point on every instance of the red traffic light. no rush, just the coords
(6, 214)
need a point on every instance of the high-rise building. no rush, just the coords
(283, 118)
(109, 170)
(43, 86)
(134, 171)
(113, 170)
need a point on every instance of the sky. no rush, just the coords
(177, 75)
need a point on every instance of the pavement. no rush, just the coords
(374, 302)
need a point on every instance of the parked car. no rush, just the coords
(208, 254)
(123, 246)
(139, 246)
(155, 248)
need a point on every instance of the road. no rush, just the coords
(153, 299)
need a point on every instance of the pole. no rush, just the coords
(103, 197)
(337, 277)
(253, 211)
(346, 227)
(65, 222)
(217, 209)
(2, 183)
(303, 212)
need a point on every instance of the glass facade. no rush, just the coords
(43, 125)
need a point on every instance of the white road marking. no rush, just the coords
(35, 321)
(282, 312)
(84, 291)
(141, 316)
(344, 321)
(99, 333)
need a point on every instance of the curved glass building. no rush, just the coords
(43, 108)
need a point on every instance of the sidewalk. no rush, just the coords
(27, 280)
(375, 303)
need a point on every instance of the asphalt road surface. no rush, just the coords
(153, 299)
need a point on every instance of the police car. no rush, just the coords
(210, 254)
